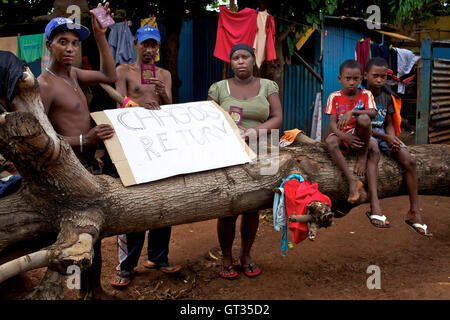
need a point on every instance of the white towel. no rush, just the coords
(259, 44)
(405, 62)
(316, 128)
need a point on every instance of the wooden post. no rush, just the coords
(226, 65)
(308, 67)
(424, 99)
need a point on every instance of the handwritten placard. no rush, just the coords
(183, 138)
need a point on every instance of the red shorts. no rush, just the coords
(343, 146)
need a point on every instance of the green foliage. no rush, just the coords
(301, 13)
(395, 11)
(406, 10)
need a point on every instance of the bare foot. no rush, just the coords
(361, 164)
(354, 187)
(100, 295)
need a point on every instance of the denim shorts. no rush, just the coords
(382, 144)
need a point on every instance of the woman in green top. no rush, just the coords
(253, 103)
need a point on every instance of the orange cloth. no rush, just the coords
(289, 136)
(397, 117)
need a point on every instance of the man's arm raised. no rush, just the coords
(107, 71)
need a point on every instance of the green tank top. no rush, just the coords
(255, 110)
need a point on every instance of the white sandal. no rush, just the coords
(416, 227)
(379, 218)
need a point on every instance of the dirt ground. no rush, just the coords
(332, 267)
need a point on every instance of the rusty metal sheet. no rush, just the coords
(439, 127)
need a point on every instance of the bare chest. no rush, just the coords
(69, 100)
(140, 92)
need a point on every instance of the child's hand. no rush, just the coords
(353, 141)
(342, 123)
(393, 143)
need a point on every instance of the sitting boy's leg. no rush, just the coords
(363, 130)
(333, 142)
(372, 183)
(409, 163)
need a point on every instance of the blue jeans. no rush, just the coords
(130, 247)
(382, 144)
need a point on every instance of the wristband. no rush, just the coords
(81, 143)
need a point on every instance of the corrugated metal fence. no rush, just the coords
(208, 69)
(299, 95)
(186, 62)
(439, 131)
(197, 67)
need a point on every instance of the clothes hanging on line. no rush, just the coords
(259, 44)
(234, 28)
(406, 60)
(271, 54)
(363, 53)
(393, 60)
(121, 43)
(30, 47)
(379, 50)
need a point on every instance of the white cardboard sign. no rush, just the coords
(183, 138)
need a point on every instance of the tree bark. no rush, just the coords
(59, 196)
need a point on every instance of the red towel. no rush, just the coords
(234, 28)
(270, 36)
(296, 196)
(363, 53)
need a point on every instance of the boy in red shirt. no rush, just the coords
(351, 110)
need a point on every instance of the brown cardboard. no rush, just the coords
(115, 152)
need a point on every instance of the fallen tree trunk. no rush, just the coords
(58, 196)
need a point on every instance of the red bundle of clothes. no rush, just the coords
(242, 27)
(297, 195)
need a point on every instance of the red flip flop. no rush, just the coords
(230, 269)
(254, 269)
